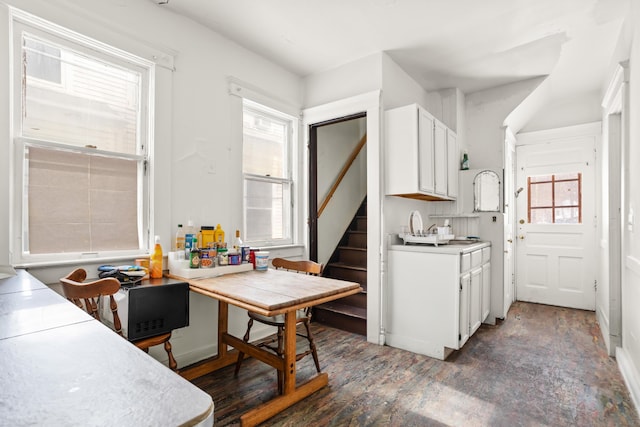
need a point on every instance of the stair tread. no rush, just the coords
(354, 248)
(345, 265)
(344, 309)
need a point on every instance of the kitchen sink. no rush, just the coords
(463, 242)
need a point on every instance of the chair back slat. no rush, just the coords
(301, 266)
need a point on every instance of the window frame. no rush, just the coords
(22, 22)
(262, 107)
(553, 205)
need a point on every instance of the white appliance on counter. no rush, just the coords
(490, 226)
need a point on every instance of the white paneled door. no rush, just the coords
(555, 240)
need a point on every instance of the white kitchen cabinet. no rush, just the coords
(440, 154)
(426, 160)
(464, 325)
(453, 164)
(486, 290)
(475, 300)
(416, 155)
(434, 297)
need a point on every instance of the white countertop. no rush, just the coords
(62, 367)
(449, 248)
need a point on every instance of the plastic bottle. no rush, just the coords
(218, 235)
(237, 244)
(189, 235)
(178, 244)
(194, 255)
(155, 264)
(465, 161)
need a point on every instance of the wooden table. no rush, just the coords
(268, 293)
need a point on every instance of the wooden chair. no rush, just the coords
(86, 295)
(305, 267)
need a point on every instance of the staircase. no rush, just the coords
(348, 262)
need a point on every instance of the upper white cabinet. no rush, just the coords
(440, 149)
(421, 155)
(453, 164)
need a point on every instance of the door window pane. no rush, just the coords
(541, 195)
(567, 193)
(567, 216)
(542, 216)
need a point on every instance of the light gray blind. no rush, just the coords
(81, 202)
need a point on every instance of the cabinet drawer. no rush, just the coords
(465, 263)
(486, 254)
(476, 258)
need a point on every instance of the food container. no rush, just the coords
(235, 258)
(262, 260)
(223, 256)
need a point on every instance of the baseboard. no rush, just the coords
(630, 375)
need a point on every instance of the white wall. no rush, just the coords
(628, 355)
(486, 112)
(357, 77)
(195, 121)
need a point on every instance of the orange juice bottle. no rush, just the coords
(155, 264)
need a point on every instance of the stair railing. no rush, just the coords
(343, 172)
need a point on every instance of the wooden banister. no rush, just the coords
(343, 172)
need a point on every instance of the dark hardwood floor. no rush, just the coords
(542, 366)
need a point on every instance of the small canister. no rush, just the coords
(223, 256)
(245, 254)
(262, 260)
(205, 259)
(234, 258)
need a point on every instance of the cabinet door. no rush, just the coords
(475, 300)
(453, 161)
(426, 151)
(465, 281)
(486, 291)
(440, 150)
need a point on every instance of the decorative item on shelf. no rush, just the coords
(465, 161)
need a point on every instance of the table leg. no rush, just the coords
(223, 326)
(289, 352)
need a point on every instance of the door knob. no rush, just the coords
(509, 240)
(521, 221)
(521, 237)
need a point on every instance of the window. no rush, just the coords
(266, 167)
(81, 114)
(555, 199)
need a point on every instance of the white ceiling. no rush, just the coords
(469, 44)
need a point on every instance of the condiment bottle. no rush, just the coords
(180, 239)
(194, 255)
(218, 235)
(155, 264)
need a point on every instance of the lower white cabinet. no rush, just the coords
(475, 301)
(486, 290)
(437, 298)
